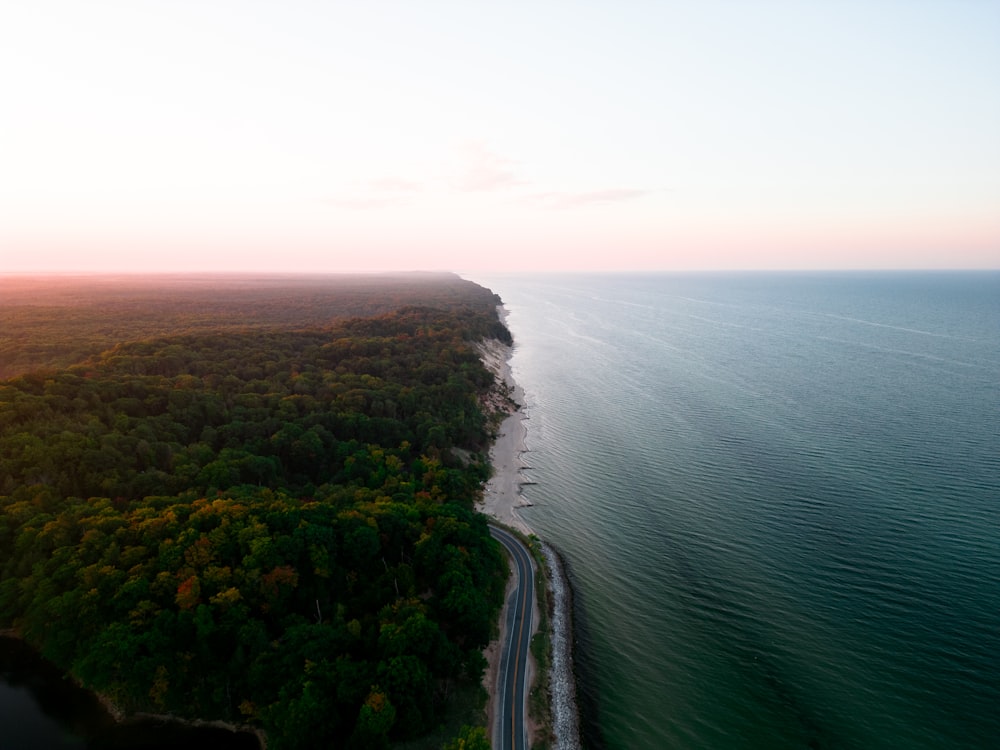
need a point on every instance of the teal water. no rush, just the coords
(778, 496)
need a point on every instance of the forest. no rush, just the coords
(267, 522)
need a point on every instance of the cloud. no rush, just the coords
(394, 185)
(366, 202)
(483, 170)
(382, 192)
(579, 199)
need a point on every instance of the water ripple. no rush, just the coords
(778, 501)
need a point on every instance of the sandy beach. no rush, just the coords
(502, 494)
(502, 500)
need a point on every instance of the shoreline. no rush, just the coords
(502, 492)
(501, 500)
(102, 715)
(562, 683)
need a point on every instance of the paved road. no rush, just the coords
(513, 673)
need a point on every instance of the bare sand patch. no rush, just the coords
(501, 500)
(502, 493)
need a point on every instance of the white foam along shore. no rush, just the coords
(501, 500)
(502, 494)
(565, 717)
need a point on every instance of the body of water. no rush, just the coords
(42, 709)
(778, 496)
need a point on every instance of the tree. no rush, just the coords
(469, 738)
(375, 719)
(266, 526)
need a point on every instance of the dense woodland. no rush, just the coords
(268, 522)
(56, 321)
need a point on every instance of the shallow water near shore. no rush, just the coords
(778, 496)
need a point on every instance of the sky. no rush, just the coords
(302, 136)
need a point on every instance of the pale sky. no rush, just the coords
(297, 136)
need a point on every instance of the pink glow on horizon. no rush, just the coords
(288, 144)
(831, 248)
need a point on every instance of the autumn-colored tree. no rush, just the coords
(469, 738)
(259, 525)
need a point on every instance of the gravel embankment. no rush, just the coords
(562, 684)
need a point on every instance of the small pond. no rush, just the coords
(40, 709)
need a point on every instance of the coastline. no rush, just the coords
(502, 492)
(562, 680)
(501, 500)
(95, 717)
